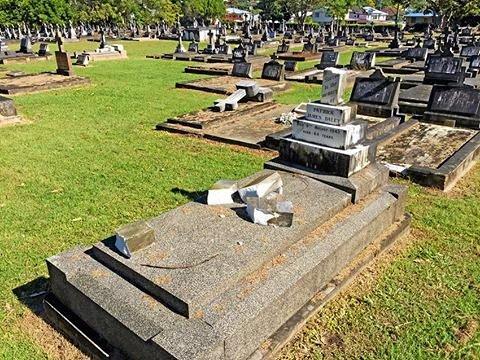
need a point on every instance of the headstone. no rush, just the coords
(444, 70)
(290, 65)
(469, 51)
(454, 106)
(44, 50)
(376, 95)
(240, 54)
(362, 60)
(329, 138)
(242, 69)
(429, 44)
(83, 60)
(26, 45)
(273, 70)
(416, 54)
(283, 48)
(64, 63)
(193, 47)
(333, 86)
(329, 59)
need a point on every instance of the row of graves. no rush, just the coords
(24, 54)
(434, 148)
(64, 76)
(234, 273)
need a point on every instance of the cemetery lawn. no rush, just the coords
(88, 161)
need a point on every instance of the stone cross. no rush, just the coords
(334, 83)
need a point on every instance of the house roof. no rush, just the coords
(419, 14)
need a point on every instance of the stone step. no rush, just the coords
(194, 258)
(125, 316)
(250, 312)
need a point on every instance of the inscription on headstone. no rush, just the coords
(416, 54)
(455, 100)
(469, 51)
(329, 59)
(328, 114)
(290, 65)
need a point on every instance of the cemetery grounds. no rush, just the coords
(88, 161)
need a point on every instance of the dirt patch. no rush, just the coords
(466, 332)
(48, 339)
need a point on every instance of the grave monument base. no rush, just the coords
(201, 291)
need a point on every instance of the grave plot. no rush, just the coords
(256, 63)
(104, 52)
(204, 282)
(8, 112)
(39, 82)
(23, 55)
(63, 77)
(272, 77)
(411, 61)
(432, 155)
(252, 124)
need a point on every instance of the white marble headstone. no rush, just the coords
(334, 83)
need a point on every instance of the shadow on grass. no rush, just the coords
(196, 196)
(32, 294)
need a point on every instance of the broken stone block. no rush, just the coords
(221, 192)
(264, 94)
(262, 186)
(250, 86)
(270, 210)
(133, 237)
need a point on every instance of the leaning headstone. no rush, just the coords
(362, 60)
(64, 63)
(242, 69)
(273, 70)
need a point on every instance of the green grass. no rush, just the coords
(89, 161)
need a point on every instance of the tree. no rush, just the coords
(208, 10)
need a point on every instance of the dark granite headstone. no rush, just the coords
(44, 50)
(193, 47)
(26, 45)
(362, 60)
(416, 54)
(273, 70)
(469, 51)
(290, 65)
(475, 62)
(457, 100)
(329, 59)
(240, 54)
(444, 70)
(376, 94)
(283, 48)
(242, 69)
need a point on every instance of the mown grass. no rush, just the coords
(89, 161)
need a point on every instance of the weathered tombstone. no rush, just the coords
(416, 54)
(329, 59)
(350, 42)
(444, 70)
(290, 65)
(333, 86)
(474, 63)
(64, 63)
(273, 70)
(329, 138)
(376, 95)
(242, 69)
(362, 60)
(454, 105)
